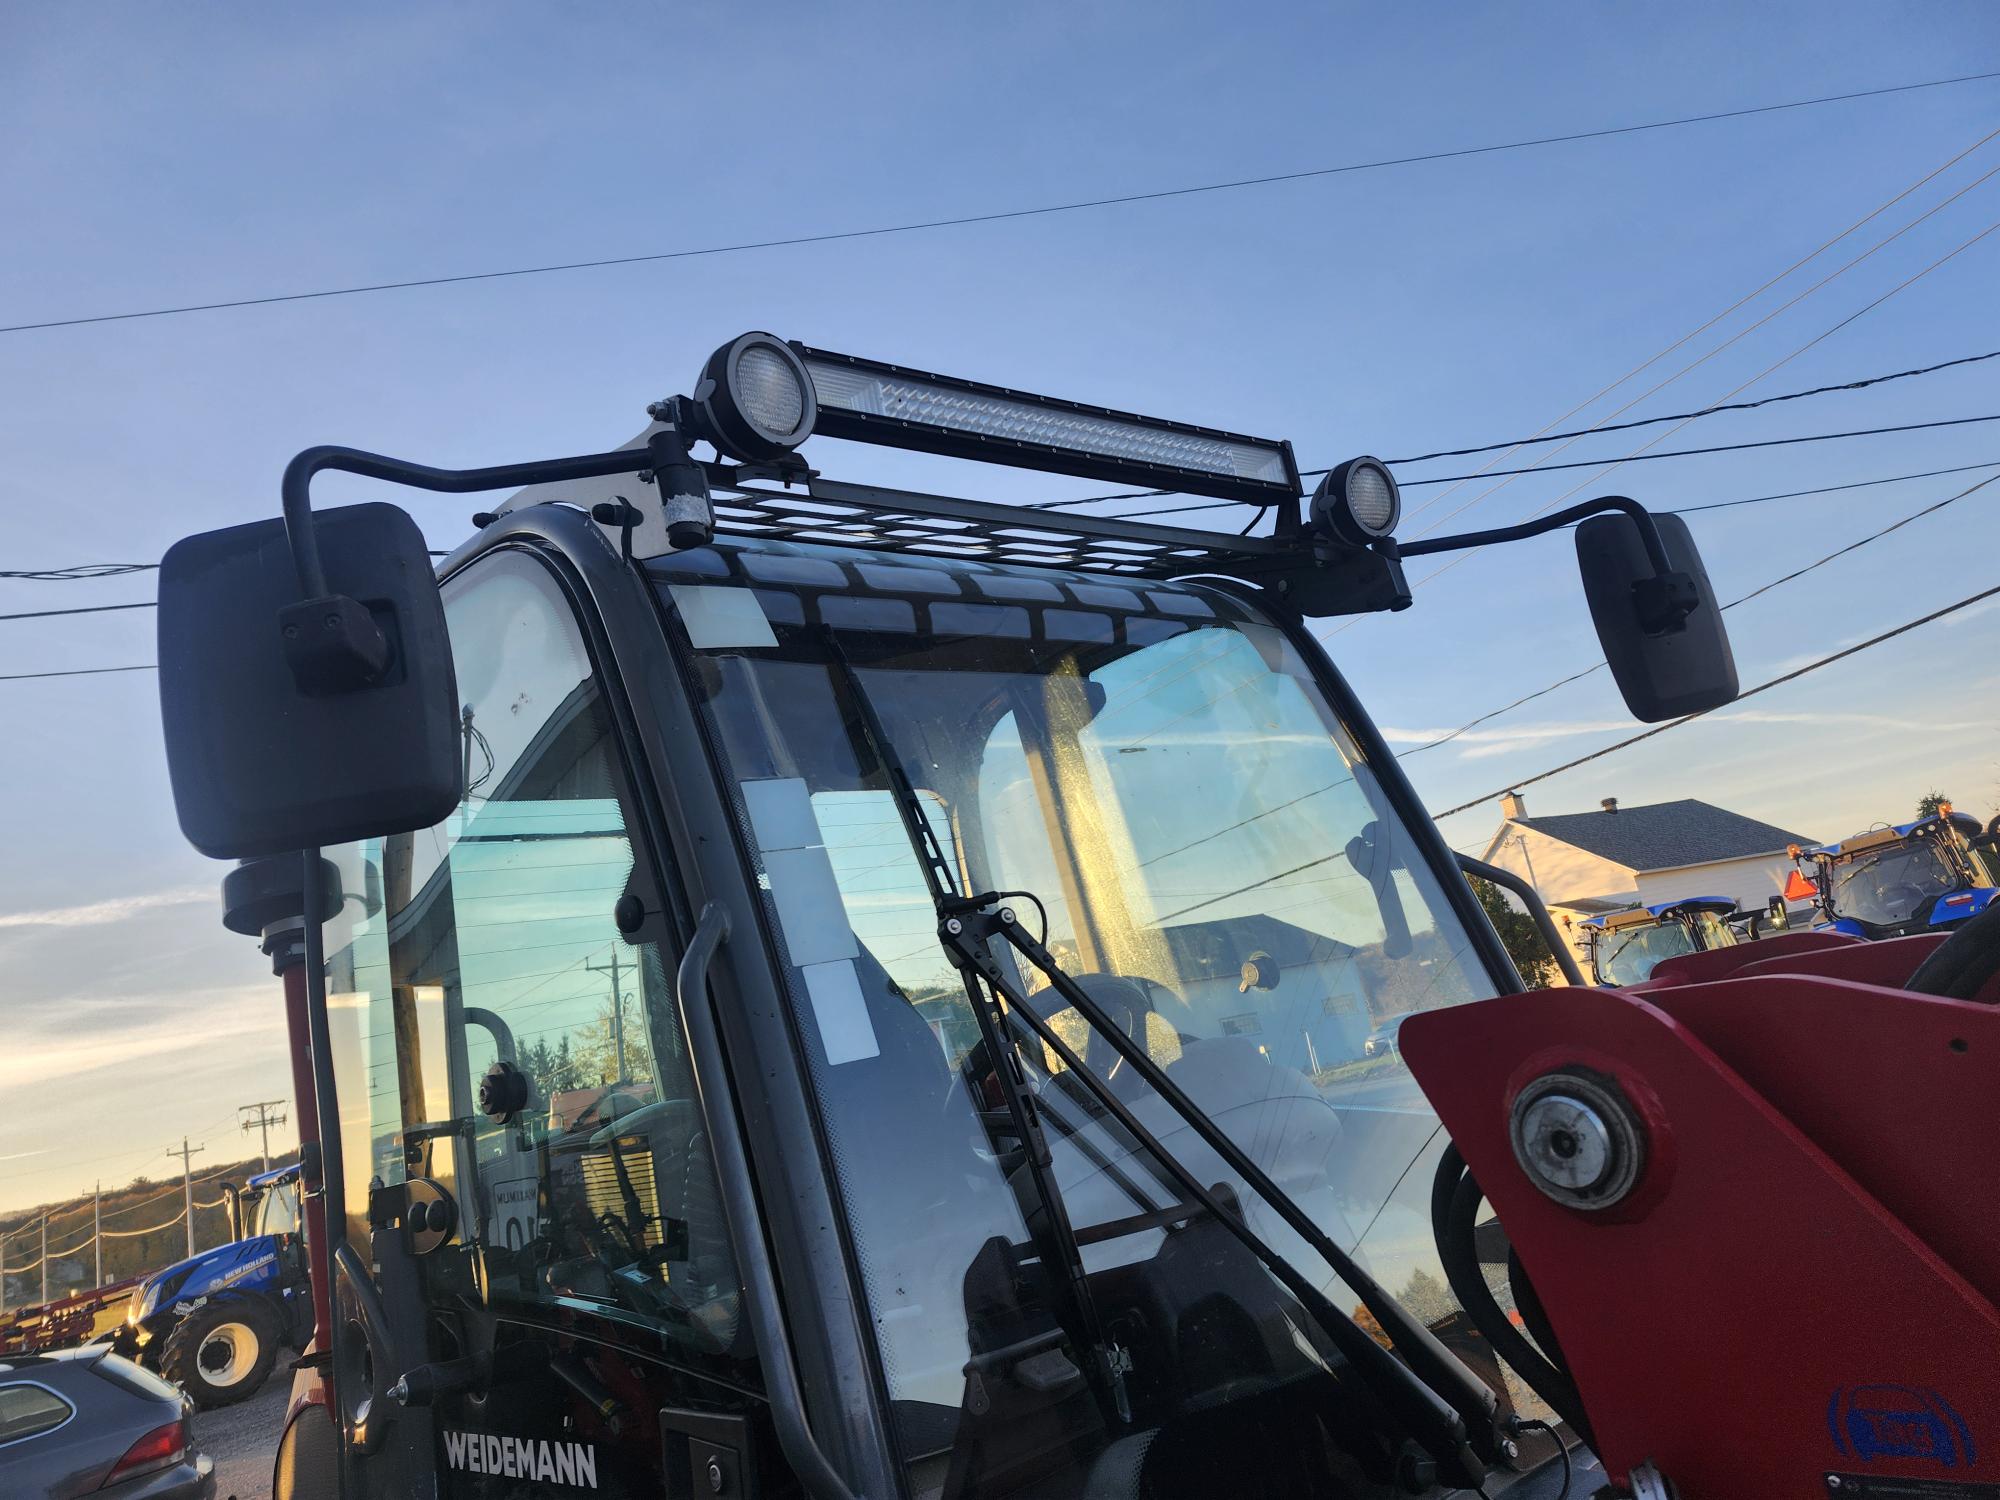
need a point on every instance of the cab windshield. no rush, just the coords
(278, 1211)
(1629, 956)
(1157, 771)
(1890, 885)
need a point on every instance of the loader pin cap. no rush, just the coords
(1577, 1139)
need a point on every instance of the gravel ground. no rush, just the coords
(243, 1439)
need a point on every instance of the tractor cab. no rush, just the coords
(1624, 945)
(819, 988)
(1925, 876)
(267, 1203)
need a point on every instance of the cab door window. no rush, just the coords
(482, 990)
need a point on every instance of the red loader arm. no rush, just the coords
(1796, 1295)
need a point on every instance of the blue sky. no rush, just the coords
(162, 155)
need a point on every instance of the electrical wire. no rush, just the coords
(1785, 442)
(75, 572)
(1861, 383)
(1776, 312)
(1681, 342)
(1534, 1424)
(132, 1234)
(1640, 452)
(1040, 210)
(1762, 687)
(85, 609)
(1691, 416)
(78, 672)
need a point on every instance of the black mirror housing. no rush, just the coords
(1663, 673)
(264, 757)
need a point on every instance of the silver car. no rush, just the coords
(79, 1422)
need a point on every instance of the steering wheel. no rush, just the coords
(1959, 967)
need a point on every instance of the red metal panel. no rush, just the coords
(1752, 1319)
(1719, 963)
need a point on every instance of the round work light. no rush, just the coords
(756, 399)
(1358, 502)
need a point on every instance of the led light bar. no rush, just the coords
(870, 402)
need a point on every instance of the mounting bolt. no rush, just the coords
(953, 926)
(1511, 1448)
(716, 1479)
(1006, 915)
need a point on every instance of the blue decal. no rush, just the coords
(1897, 1421)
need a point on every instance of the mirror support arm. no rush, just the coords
(1664, 601)
(300, 471)
(1649, 534)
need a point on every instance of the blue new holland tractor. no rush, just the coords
(1624, 945)
(214, 1323)
(1926, 876)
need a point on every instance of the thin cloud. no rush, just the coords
(58, 1056)
(24, 1155)
(98, 913)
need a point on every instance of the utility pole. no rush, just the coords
(617, 1010)
(3, 1273)
(187, 1187)
(45, 1260)
(97, 1228)
(269, 1112)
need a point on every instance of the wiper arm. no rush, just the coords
(1059, 1247)
(1435, 1397)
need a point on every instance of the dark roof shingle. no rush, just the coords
(1663, 835)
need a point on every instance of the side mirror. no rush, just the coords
(273, 746)
(1663, 671)
(1368, 852)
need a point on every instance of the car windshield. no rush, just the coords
(1628, 956)
(1891, 885)
(1217, 866)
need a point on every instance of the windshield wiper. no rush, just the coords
(1059, 1246)
(1434, 1397)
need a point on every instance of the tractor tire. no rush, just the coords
(222, 1352)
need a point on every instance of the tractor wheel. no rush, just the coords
(221, 1352)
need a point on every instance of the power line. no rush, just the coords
(959, 221)
(1762, 687)
(87, 609)
(78, 672)
(1861, 383)
(78, 571)
(1820, 337)
(1764, 588)
(1635, 458)
(1743, 301)
(1743, 333)
(1690, 416)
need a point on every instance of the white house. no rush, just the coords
(1618, 857)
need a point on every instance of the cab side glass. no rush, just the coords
(261, 765)
(1665, 675)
